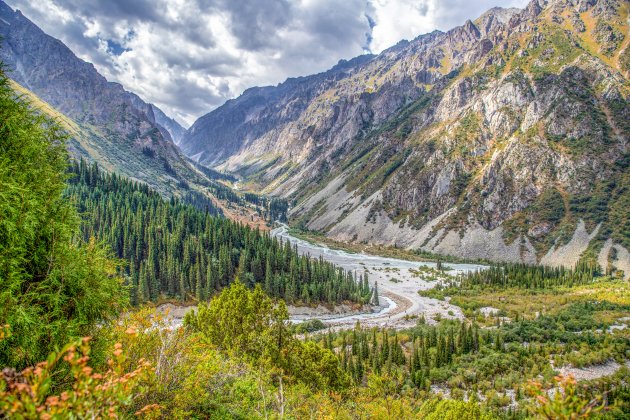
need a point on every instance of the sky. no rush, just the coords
(190, 56)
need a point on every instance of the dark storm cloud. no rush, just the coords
(368, 34)
(184, 96)
(132, 10)
(333, 21)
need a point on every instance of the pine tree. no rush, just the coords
(450, 346)
(183, 248)
(375, 301)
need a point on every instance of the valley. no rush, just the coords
(398, 282)
(487, 141)
(438, 229)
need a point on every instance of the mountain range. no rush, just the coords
(107, 124)
(505, 138)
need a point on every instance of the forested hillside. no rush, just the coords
(174, 249)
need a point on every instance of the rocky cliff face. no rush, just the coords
(259, 113)
(505, 138)
(113, 126)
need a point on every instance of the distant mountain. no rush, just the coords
(175, 130)
(109, 124)
(504, 138)
(240, 122)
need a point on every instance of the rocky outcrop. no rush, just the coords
(505, 138)
(262, 113)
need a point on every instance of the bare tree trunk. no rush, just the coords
(281, 399)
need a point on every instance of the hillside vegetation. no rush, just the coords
(236, 356)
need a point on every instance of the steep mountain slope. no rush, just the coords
(109, 124)
(257, 113)
(175, 130)
(505, 138)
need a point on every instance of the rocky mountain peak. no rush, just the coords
(488, 141)
(494, 19)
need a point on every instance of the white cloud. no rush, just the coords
(188, 57)
(396, 20)
(406, 19)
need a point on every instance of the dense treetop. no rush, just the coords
(174, 249)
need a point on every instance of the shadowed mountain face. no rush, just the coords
(175, 130)
(107, 123)
(505, 138)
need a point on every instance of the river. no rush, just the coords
(398, 284)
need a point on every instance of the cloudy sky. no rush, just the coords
(189, 56)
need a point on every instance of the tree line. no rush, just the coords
(528, 276)
(176, 250)
(380, 351)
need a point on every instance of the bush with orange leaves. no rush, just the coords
(565, 402)
(29, 394)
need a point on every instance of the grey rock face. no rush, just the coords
(174, 129)
(514, 126)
